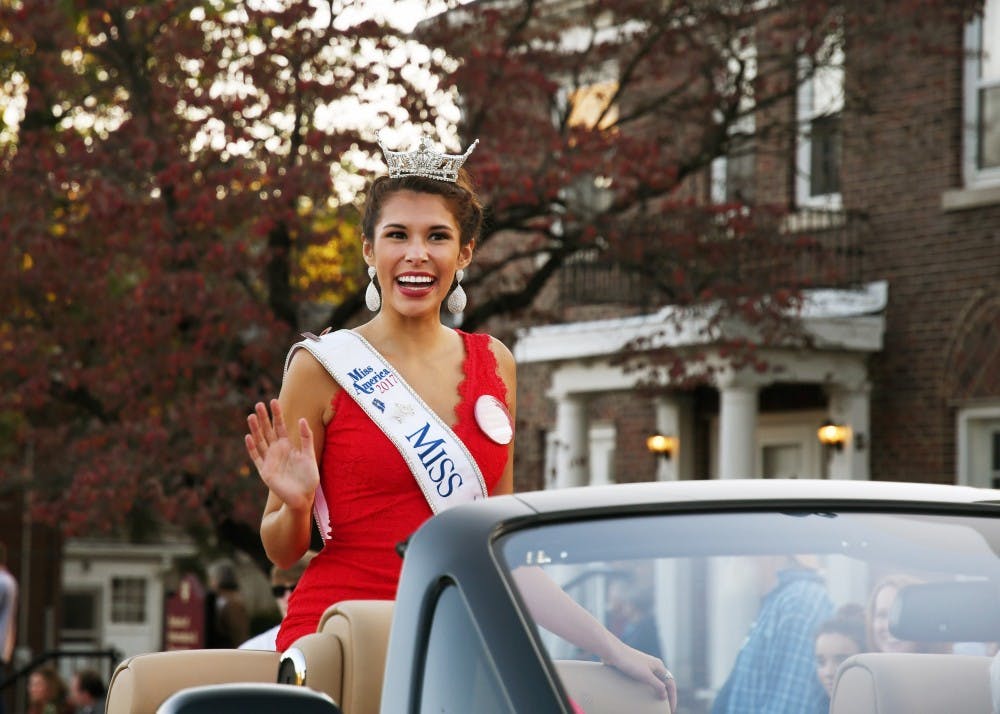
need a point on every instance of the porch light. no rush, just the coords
(834, 435)
(662, 445)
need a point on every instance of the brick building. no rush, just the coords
(907, 347)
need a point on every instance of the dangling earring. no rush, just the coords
(372, 299)
(457, 299)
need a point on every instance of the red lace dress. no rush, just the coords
(375, 502)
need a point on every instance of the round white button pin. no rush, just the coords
(494, 419)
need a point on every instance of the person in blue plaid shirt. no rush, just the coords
(775, 670)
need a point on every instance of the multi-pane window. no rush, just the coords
(978, 446)
(824, 155)
(81, 617)
(818, 154)
(982, 98)
(128, 600)
(734, 173)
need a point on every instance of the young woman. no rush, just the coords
(47, 692)
(840, 637)
(420, 227)
(880, 602)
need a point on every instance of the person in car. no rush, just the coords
(840, 637)
(880, 601)
(227, 621)
(343, 458)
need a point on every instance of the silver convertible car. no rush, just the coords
(760, 596)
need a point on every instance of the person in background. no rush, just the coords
(8, 616)
(775, 671)
(840, 637)
(87, 692)
(283, 582)
(880, 639)
(633, 616)
(47, 692)
(228, 623)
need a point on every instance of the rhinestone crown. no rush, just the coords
(424, 161)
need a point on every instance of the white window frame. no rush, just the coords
(974, 426)
(719, 169)
(806, 112)
(129, 600)
(84, 638)
(973, 175)
(602, 438)
(746, 123)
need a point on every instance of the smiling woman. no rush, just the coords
(393, 401)
(415, 418)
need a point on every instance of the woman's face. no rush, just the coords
(832, 648)
(416, 251)
(38, 688)
(884, 641)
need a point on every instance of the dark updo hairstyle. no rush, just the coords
(460, 195)
(848, 621)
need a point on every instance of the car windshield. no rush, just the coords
(751, 605)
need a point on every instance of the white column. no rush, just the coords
(850, 406)
(730, 610)
(571, 445)
(674, 418)
(737, 430)
(668, 424)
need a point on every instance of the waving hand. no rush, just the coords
(289, 471)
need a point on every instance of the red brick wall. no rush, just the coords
(902, 151)
(899, 162)
(535, 415)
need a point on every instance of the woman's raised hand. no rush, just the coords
(290, 472)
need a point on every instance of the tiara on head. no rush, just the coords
(424, 161)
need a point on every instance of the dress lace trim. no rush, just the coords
(479, 367)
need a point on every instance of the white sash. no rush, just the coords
(439, 461)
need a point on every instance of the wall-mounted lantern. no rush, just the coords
(833, 435)
(662, 445)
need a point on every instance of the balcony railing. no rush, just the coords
(806, 249)
(590, 280)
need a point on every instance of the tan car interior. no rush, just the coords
(599, 689)
(891, 683)
(344, 659)
(141, 683)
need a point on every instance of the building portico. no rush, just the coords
(844, 328)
